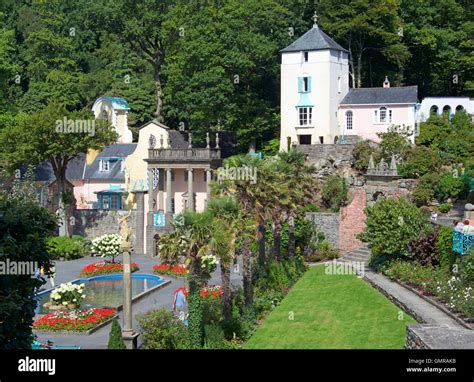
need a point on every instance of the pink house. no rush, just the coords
(367, 111)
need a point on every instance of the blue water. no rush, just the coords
(105, 291)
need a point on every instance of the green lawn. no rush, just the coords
(332, 312)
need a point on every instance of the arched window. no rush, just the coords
(434, 110)
(383, 114)
(459, 108)
(447, 110)
(349, 120)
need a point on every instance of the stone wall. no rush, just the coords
(93, 223)
(331, 152)
(327, 223)
(424, 336)
(352, 222)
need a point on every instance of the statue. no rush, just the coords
(382, 167)
(125, 232)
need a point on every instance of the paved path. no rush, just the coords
(162, 298)
(412, 303)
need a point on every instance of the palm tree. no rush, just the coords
(252, 195)
(301, 188)
(227, 211)
(195, 235)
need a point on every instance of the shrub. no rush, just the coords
(214, 338)
(449, 186)
(420, 160)
(424, 249)
(335, 192)
(445, 207)
(361, 153)
(444, 248)
(266, 300)
(391, 224)
(69, 248)
(24, 228)
(425, 190)
(466, 268)
(107, 246)
(160, 330)
(323, 252)
(115, 336)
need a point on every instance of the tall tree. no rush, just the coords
(43, 136)
(368, 29)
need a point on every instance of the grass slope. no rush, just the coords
(332, 312)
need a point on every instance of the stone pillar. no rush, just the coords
(160, 193)
(208, 187)
(151, 194)
(168, 191)
(128, 334)
(190, 190)
(140, 223)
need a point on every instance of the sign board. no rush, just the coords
(159, 219)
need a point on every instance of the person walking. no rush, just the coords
(179, 303)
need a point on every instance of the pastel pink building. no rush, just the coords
(367, 111)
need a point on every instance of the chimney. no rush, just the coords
(386, 83)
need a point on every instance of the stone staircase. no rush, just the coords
(361, 255)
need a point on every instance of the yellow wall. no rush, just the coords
(135, 166)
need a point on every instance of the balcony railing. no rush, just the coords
(197, 154)
(462, 242)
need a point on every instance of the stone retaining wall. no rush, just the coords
(327, 223)
(92, 223)
(329, 152)
(438, 337)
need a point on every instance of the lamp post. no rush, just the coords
(128, 334)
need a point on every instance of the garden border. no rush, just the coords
(77, 332)
(436, 304)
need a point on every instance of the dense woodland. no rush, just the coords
(203, 65)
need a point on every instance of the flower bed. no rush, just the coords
(74, 320)
(211, 291)
(178, 270)
(104, 268)
(456, 295)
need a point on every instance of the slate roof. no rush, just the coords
(75, 170)
(314, 39)
(119, 150)
(369, 96)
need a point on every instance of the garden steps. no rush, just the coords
(361, 254)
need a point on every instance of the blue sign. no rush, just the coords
(159, 219)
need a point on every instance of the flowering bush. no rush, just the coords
(179, 270)
(67, 294)
(107, 246)
(211, 291)
(208, 263)
(457, 295)
(103, 268)
(73, 320)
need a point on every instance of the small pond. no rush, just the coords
(106, 291)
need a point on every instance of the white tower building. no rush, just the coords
(314, 80)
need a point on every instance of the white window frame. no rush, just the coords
(349, 121)
(384, 110)
(305, 116)
(390, 115)
(104, 165)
